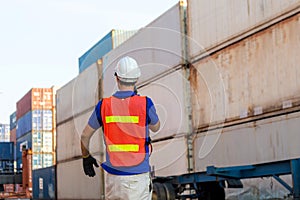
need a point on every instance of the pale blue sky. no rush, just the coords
(41, 40)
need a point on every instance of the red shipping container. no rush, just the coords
(35, 99)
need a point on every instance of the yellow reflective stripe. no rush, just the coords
(122, 119)
(123, 147)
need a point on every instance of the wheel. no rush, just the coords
(159, 192)
(170, 191)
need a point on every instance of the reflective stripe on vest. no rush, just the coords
(123, 148)
(122, 119)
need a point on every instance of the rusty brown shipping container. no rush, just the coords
(35, 99)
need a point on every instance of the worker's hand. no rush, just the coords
(88, 166)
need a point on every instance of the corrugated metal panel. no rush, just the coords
(110, 41)
(6, 151)
(267, 140)
(68, 138)
(213, 22)
(13, 120)
(35, 99)
(168, 96)
(257, 75)
(43, 183)
(82, 186)
(169, 157)
(80, 94)
(157, 48)
(120, 36)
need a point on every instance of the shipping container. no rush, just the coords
(42, 141)
(4, 133)
(7, 151)
(35, 99)
(42, 160)
(233, 105)
(44, 183)
(6, 166)
(213, 24)
(249, 78)
(35, 120)
(68, 138)
(167, 162)
(110, 41)
(169, 86)
(23, 142)
(158, 48)
(79, 95)
(73, 184)
(13, 120)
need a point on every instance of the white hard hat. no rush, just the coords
(128, 70)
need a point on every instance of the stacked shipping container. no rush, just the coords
(110, 41)
(36, 126)
(220, 91)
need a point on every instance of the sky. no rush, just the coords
(41, 40)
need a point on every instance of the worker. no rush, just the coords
(125, 118)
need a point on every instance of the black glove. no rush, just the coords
(88, 166)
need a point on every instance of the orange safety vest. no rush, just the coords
(124, 123)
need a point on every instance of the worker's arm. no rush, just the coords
(88, 160)
(85, 139)
(154, 127)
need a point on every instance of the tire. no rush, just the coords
(159, 192)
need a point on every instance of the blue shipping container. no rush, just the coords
(43, 183)
(13, 120)
(96, 52)
(34, 120)
(110, 41)
(6, 151)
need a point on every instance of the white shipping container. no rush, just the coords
(157, 48)
(68, 138)
(169, 157)
(169, 97)
(211, 23)
(256, 75)
(262, 141)
(73, 184)
(80, 94)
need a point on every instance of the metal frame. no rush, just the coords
(233, 175)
